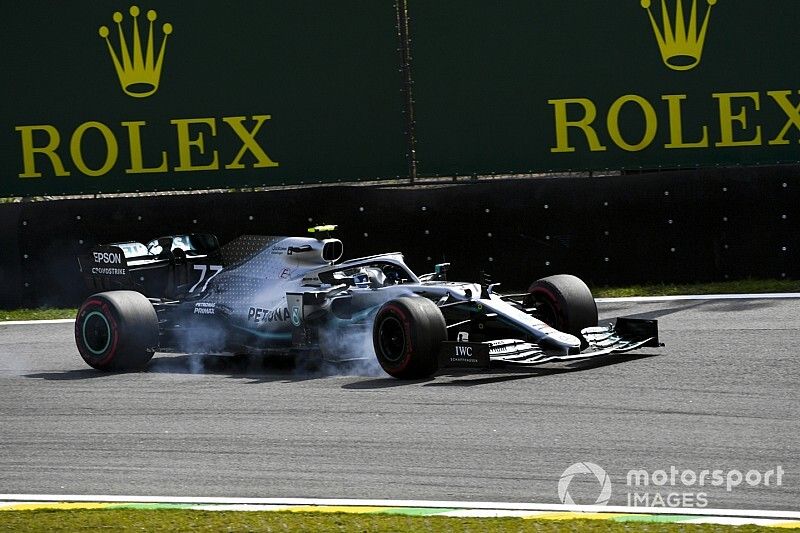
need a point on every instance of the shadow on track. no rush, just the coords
(471, 379)
(710, 306)
(384, 383)
(69, 375)
(255, 369)
(658, 313)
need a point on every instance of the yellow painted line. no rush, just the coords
(787, 525)
(59, 506)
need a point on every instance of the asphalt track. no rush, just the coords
(723, 394)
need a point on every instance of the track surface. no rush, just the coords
(722, 395)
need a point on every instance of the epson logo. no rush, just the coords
(463, 351)
(107, 257)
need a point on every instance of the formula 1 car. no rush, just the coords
(265, 295)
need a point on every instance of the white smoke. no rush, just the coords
(347, 350)
(351, 344)
(346, 346)
(197, 364)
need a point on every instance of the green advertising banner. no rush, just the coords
(524, 85)
(125, 96)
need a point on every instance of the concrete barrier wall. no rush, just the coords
(10, 259)
(708, 225)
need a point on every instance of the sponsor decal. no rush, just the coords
(278, 250)
(190, 139)
(204, 308)
(463, 351)
(296, 316)
(138, 70)
(107, 257)
(681, 36)
(681, 47)
(286, 273)
(735, 111)
(464, 355)
(138, 62)
(260, 315)
(108, 271)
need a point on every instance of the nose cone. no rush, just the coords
(560, 343)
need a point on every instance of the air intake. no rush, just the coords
(332, 250)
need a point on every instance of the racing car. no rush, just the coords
(293, 295)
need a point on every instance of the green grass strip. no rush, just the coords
(150, 506)
(44, 313)
(747, 286)
(415, 511)
(129, 520)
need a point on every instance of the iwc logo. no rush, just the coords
(139, 70)
(681, 45)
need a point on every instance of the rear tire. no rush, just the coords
(116, 330)
(407, 335)
(563, 302)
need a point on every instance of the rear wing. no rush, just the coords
(106, 268)
(168, 267)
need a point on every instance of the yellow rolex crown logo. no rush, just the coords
(681, 46)
(139, 70)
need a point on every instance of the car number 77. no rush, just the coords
(216, 269)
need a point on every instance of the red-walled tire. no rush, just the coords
(407, 334)
(563, 302)
(116, 330)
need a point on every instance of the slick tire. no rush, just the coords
(116, 331)
(563, 302)
(407, 334)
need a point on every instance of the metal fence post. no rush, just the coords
(404, 38)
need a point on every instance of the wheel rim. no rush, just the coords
(96, 333)
(546, 311)
(392, 339)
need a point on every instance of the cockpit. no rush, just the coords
(371, 275)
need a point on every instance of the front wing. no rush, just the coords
(626, 335)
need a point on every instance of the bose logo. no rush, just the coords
(107, 257)
(464, 351)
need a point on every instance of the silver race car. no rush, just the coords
(291, 295)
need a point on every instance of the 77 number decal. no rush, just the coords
(204, 270)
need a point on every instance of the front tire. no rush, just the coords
(116, 330)
(563, 302)
(406, 335)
